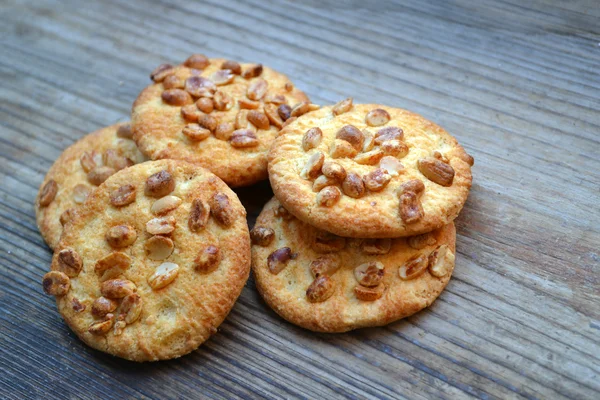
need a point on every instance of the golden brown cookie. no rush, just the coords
(220, 114)
(368, 170)
(327, 283)
(78, 170)
(152, 262)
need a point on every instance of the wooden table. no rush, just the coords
(517, 82)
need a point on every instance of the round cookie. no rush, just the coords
(78, 170)
(327, 283)
(370, 171)
(217, 113)
(152, 262)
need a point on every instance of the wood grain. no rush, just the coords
(516, 82)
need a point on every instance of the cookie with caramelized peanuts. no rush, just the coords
(217, 113)
(79, 170)
(328, 283)
(371, 171)
(152, 262)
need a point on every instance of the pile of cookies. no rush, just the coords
(152, 248)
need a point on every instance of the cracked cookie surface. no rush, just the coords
(327, 283)
(371, 171)
(79, 170)
(152, 262)
(217, 113)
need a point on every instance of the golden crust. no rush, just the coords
(68, 173)
(285, 292)
(158, 126)
(376, 214)
(179, 317)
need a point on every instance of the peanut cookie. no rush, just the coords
(220, 114)
(79, 169)
(328, 283)
(152, 262)
(371, 171)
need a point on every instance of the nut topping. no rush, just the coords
(102, 327)
(222, 77)
(190, 112)
(376, 246)
(197, 61)
(199, 213)
(329, 196)
(288, 86)
(123, 196)
(352, 135)
(112, 265)
(436, 171)
(208, 122)
(161, 225)
(326, 242)
(334, 170)
(388, 133)
(377, 180)
(312, 169)
(113, 160)
(221, 209)
(275, 98)
(77, 305)
(208, 259)
(117, 288)
(320, 289)
(222, 101)
(262, 236)
(413, 268)
(131, 307)
(241, 119)
(66, 216)
(411, 209)
(369, 293)
(102, 306)
(419, 242)
(353, 186)
(414, 185)
(56, 283)
(440, 261)
(442, 157)
(342, 149)
(369, 142)
(159, 184)
(205, 104)
(195, 132)
(161, 72)
(391, 165)
(278, 259)
(158, 247)
(80, 193)
(312, 138)
(120, 236)
(257, 89)
(258, 119)
(252, 71)
(377, 117)
(224, 131)
(273, 116)
(165, 205)
(342, 107)
(177, 97)
(164, 275)
(99, 174)
(394, 148)
(243, 138)
(197, 86)
(248, 104)
(370, 157)
(233, 66)
(284, 111)
(69, 262)
(282, 213)
(369, 274)
(173, 82)
(323, 181)
(300, 109)
(325, 265)
(87, 162)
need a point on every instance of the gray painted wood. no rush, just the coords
(518, 83)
